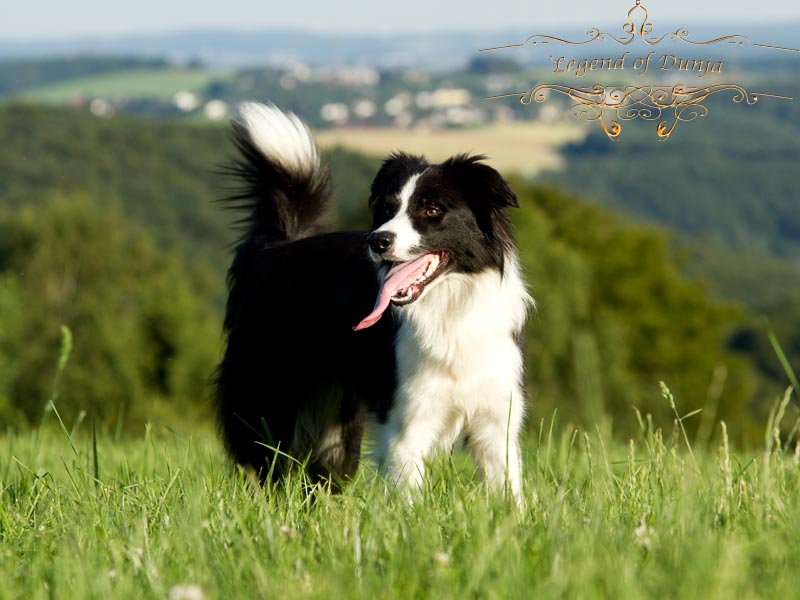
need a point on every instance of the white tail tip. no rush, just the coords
(280, 136)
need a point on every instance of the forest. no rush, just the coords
(726, 177)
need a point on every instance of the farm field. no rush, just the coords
(152, 84)
(526, 148)
(163, 515)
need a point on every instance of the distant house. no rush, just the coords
(335, 112)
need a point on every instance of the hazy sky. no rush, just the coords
(68, 18)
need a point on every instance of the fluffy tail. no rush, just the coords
(285, 188)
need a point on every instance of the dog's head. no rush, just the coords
(430, 220)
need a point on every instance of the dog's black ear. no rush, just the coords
(393, 174)
(480, 180)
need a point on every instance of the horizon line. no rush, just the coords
(12, 39)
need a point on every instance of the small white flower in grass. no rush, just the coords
(441, 559)
(135, 554)
(287, 532)
(299, 568)
(645, 535)
(112, 574)
(186, 592)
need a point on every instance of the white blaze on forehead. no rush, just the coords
(406, 237)
(408, 189)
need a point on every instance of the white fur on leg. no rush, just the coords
(409, 452)
(493, 445)
(426, 424)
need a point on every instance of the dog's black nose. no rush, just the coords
(380, 241)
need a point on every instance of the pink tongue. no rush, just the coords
(399, 277)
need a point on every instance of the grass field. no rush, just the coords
(158, 84)
(527, 148)
(164, 516)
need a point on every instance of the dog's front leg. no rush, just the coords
(410, 449)
(416, 430)
(493, 443)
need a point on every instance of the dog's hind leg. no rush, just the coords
(339, 453)
(329, 434)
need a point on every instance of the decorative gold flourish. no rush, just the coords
(610, 106)
(667, 105)
(776, 48)
(638, 26)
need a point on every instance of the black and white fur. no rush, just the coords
(447, 366)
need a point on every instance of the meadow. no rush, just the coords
(162, 514)
(153, 84)
(526, 148)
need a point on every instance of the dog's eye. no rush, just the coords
(433, 211)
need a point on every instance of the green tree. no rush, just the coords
(615, 317)
(143, 326)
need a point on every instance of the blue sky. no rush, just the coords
(50, 19)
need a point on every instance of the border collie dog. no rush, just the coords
(415, 326)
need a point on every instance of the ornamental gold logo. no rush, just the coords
(666, 105)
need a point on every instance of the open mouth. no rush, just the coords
(404, 283)
(411, 293)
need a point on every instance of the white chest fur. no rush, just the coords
(460, 371)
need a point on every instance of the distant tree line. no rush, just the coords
(21, 75)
